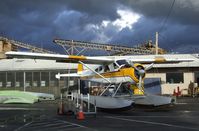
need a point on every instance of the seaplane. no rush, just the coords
(114, 72)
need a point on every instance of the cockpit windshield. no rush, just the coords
(123, 63)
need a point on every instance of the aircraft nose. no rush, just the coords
(141, 72)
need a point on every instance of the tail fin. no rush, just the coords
(80, 69)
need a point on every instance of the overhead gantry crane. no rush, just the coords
(18, 44)
(72, 46)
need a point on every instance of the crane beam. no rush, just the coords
(106, 47)
(26, 46)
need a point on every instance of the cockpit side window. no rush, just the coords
(106, 68)
(100, 68)
(96, 70)
(115, 66)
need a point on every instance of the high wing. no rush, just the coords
(98, 59)
(143, 59)
(61, 58)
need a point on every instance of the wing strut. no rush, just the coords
(95, 72)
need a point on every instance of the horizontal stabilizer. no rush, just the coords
(58, 76)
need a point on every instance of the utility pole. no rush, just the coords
(156, 43)
(24, 81)
(72, 48)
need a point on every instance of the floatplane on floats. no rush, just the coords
(113, 72)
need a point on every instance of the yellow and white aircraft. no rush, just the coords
(112, 70)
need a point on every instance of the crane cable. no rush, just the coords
(167, 17)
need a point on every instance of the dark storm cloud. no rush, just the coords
(179, 31)
(46, 19)
(184, 11)
(140, 34)
(177, 38)
(40, 21)
(47, 10)
(105, 8)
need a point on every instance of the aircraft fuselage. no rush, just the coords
(118, 76)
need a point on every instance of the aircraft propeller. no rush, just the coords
(141, 73)
(141, 70)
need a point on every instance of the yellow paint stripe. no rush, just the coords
(80, 68)
(160, 60)
(77, 57)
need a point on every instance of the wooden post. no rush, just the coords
(156, 43)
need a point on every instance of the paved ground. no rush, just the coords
(42, 116)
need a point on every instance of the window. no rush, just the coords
(196, 77)
(19, 79)
(115, 66)
(44, 79)
(36, 79)
(53, 81)
(3, 79)
(174, 78)
(106, 68)
(10, 79)
(28, 79)
(96, 69)
(121, 62)
(100, 68)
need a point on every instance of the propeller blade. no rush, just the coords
(136, 68)
(149, 67)
(141, 72)
(130, 62)
(140, 83)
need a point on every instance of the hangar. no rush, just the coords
(33, 75)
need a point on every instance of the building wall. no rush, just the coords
(168, 88)
(5, 46)
(2, 55)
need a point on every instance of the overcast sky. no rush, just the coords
(124, 22)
